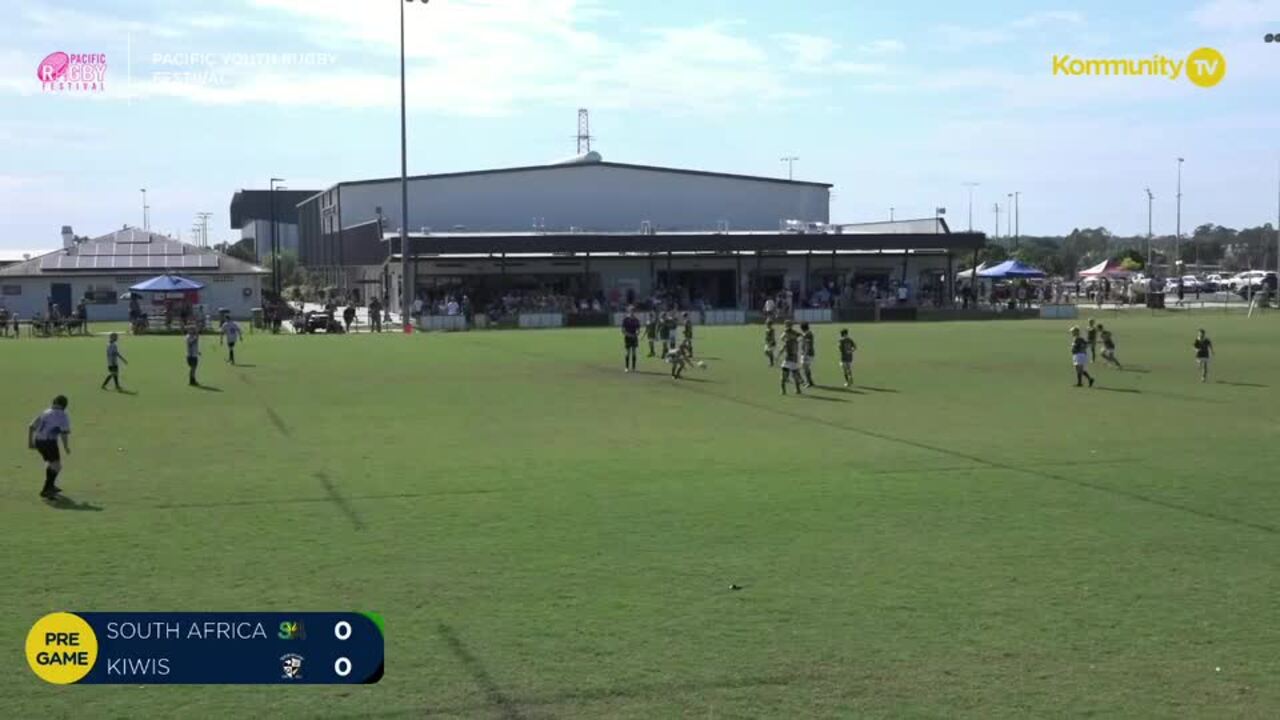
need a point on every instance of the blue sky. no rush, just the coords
(896, 103)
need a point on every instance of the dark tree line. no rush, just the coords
(1211, 245)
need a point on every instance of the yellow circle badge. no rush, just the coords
(61, 648)
(1206, 67)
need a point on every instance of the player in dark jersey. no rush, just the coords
(770, 342)
(630, 340)
(1109, 347)
(807, 347)
(1093, 341)
(1080, 357)
(688, 333)
(1204, 353)
(847, 346)
(665, 327)
(651, 331)
(790, 358)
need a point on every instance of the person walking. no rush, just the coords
(43, 435)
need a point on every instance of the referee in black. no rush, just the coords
(42, 436)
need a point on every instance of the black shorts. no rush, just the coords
(193, 362)
(231, 344)
(48, 450)
(630, 341)
(113, 369)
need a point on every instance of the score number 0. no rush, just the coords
(342, 631)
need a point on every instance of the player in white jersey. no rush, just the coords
(114, 358)
(231, 334)
(42, 436)
(193, 355)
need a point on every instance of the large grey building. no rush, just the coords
(585, 194)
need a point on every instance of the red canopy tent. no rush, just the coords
(1108, 269)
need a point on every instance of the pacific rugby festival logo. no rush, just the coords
(1204, 67)
(76, 72)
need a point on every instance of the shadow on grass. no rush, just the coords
(207, 388)
(243, 365)
(878, 389)
(62, 502)
(1135, 370)
(1129, 391)
(278, 421)
(126, 391)
(498, 701)
(311, 500)
(996, 464)
(832, 388)
(823, 398)
(1241, 384)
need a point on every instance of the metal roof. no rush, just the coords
(130, 251)
(571, 167)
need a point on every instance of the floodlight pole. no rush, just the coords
(971, 186)
(1150, 198)
(145, 225)
(406, 300)
(275, 250)
(1017, 219)
(1177, 241)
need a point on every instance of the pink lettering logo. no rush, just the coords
(53, 67)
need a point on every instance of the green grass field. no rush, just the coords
(964, 535)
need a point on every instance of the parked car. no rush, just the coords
(1245, 279)
(1189, 284)
(1255, 283)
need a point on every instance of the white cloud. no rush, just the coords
(959, 37)
(878, 47)
(466, 57)
(815, 54)
(1260, 15)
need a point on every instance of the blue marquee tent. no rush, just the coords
(167, 283)
(1011, 269)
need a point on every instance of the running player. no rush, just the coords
(847, 346)
(651, 331)
(43, 435)
(688, 333)
(1080, 357)
(114, 358)
(790, 358)
(630, 340)
(232, 335)
(664, 333)
(807, 347)
(193, 355)
(1204, 353)
(770, 342)
(1093, 341)
(679, 356)
(1108, 347)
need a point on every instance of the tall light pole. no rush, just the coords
(890, 214)
(145, 225)
(1017, 218)
(996, 209)
(1177, 241)
(790, 160)
(971, 186)
(275, 250)
(1008, 206)
(1150, 235)
(406, 298)
(204, 227)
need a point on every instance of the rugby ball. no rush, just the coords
(53, 67)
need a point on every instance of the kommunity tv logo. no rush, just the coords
(1204, 67)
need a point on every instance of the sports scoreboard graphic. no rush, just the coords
(304, 648)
